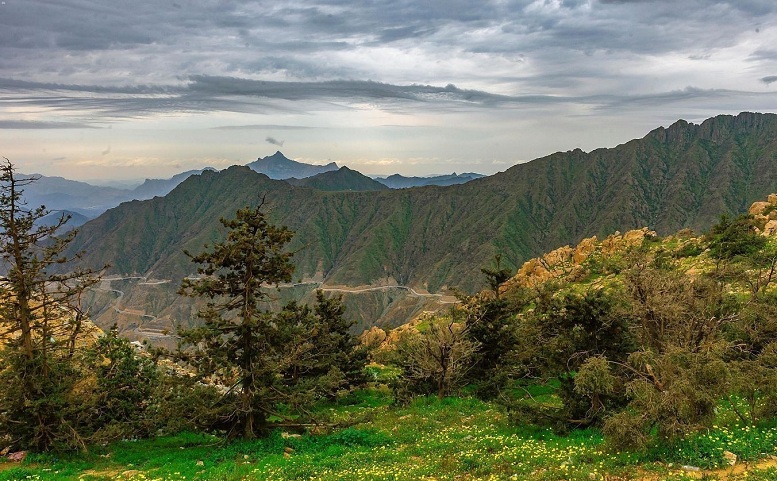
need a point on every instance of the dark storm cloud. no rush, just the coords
(764, 54)
(688, 94)
(98, 25)
(274, 141)
(349, 90)
(769, 79)
(229, 94)
(394, 34)
(11, 85)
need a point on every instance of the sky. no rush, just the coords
(98, 90)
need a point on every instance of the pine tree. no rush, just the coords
(266, 358)
(41, 321)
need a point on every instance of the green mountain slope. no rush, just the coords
(681, 176)
(339, 180)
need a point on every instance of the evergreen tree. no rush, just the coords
(496, 276)
(732, 238)
(41, 322)
(268, 359)
(123, 390)
(489, 321)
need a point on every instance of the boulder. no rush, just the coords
(17, 457)
(758, 208)
(584, 249)
(730, 457)
(770, 228)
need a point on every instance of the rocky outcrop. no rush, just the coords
(567, 263)
(765, 215)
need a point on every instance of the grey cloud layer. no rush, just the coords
(33, 124)
(209, 94)
(320, 40)
(93, 62)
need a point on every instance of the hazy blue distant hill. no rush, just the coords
(278, 166)
(89, 201)
(343, 179)
(397, 181)
(53, 217)
(160, 187)
(58, 193)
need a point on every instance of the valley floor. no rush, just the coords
(449, 439)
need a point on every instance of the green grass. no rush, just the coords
(451, 438)
(381, 373)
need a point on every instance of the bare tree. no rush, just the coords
(440, 356)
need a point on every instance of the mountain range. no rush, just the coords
(278, 166)
(397, 181)
(89, 201)
(434, 238)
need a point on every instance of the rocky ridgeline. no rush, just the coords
(568, 262)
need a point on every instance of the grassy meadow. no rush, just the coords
(432, 439)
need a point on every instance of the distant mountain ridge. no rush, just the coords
(89, 201)
(397, 181)
(74, 220)
(343, 179)
(58, 193)
(278, 166)
(161, 187)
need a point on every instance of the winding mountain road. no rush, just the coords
(106, 286)
(376, 288)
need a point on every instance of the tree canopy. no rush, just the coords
(40, 321)
(266, 358)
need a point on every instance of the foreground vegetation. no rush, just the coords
(450, 438)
